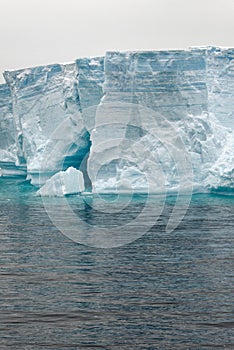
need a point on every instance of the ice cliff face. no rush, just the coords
(154, 130)
(132, 121)
(8, 153)
(52, 132)
(49, 123)
(90, 82)
(220, 84)
(221, 174)
(7, 127)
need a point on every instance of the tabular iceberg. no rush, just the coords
(131, 122)
(156, 121)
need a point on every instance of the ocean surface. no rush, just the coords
(164, 290)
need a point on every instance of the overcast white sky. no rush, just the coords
(36, 32)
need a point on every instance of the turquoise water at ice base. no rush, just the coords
(162, 291)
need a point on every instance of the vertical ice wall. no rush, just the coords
(220, 82)
(8, 153)
(171, 82)
(151, 115)
(154, 111)
(90, 83)
(48, 119)
(7, 127)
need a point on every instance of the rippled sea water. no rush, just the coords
(162, 291)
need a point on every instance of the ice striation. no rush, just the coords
(8, 154)
(220, 84)
(154, 121)
(7, 127)
(90, 82)
(131, 122)
(50, 128)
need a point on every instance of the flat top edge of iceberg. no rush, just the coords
(90, 60)
(21, 72)
(36, 67)
(173, 51)
(201, 53)
(28, 76)
(16, 72)
(49, 65)
(187, 59)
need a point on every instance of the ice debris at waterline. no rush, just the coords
(130, 121)
(63, 183)
(221, 176)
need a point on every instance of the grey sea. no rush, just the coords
(164, 290)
